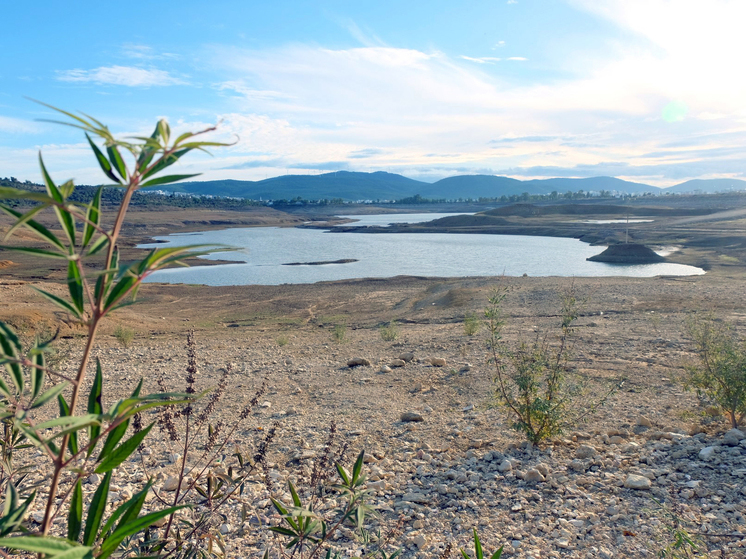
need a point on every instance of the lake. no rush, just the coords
(263, 253)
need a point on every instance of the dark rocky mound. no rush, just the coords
(631, 253)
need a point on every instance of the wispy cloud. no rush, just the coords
(481, 59)
(145, 52)
(12, 125)
(518, 58)
(130, 76)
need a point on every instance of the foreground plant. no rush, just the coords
(535, 380)
(77, 443)
(719, 377)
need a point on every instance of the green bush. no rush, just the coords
(339, 333)
(124, 335)
(534, 379)
(390, 331)
(719, 376)
(471, 324)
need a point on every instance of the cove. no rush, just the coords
(262, 255)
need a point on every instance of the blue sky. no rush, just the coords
(651, 91)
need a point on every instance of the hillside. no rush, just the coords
(353, 186)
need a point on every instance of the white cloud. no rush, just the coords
(517, 58)
(145, 52)
(12, 125)
(482, 59)
(130, 76)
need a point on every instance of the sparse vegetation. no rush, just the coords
(124, 335)
(535, 381)
(471, 324)
(389, 332)
(719, 376)
(339, 333)
(282, 340)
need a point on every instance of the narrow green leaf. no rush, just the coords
(10, 349)
(116, 161)
(294, 493)
(102, 161)
(8, 193)
(72, 442)
(165, 161)
(63, 216)
(36, 227)
(37, 373)
(119, 291)
(59, 302)
(168, 179)
(79, 552)
(128, 510)
(343, 474)
(25, 218)
(96, 510)
(50, 393)
(123, 451)
(9, 334)
(97, 245)
(79, 421)
(75, 286)
(35, 544)
(357, 468)
(115, 435)
(95, 405)
(13, 518)
(133, 527)
(477, 546)
(278, 505)
(11, 499)
(93, 217)
(75, 514)
(36, 252)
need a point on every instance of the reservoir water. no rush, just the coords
(262, 255)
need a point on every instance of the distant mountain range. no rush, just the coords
(388, 186)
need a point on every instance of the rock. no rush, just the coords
(733, 437)
(377, 485)
(415, 497)
(406, 357)
(533, 475)
(385, 369)
(505, 466)
(465, 368)
(171, 483)
(643, 421)
(707, 453)
(544, 469)
(437, 361)
(419, 540)
(634, 481)
(585, 451)
(411, 416)
(397, 363)
(358, 361)
(225, 528)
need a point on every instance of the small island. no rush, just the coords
(340, 261)
(628, 253)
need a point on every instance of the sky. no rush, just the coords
(651, 91)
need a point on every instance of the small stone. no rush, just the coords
(409, 416)
(634, 481)
(643, 421)
(437, 362)
(415, 497)
(225, 529)
(465, 368)
(505, 466)
(585, 451)
(265, 405)
(385, 369)
(707, 453)
(407, 357)
(171, 483)
(419, 540)
(533, 476)
(397, 363)
(358, 362)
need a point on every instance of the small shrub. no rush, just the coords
(339, 333)
(390, 331)
(535, 380)
(124, 335)
(471, 324)
(719, 377)
(282, 340)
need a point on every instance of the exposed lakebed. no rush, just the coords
(262, 255)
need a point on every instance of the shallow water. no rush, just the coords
(264, 252)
